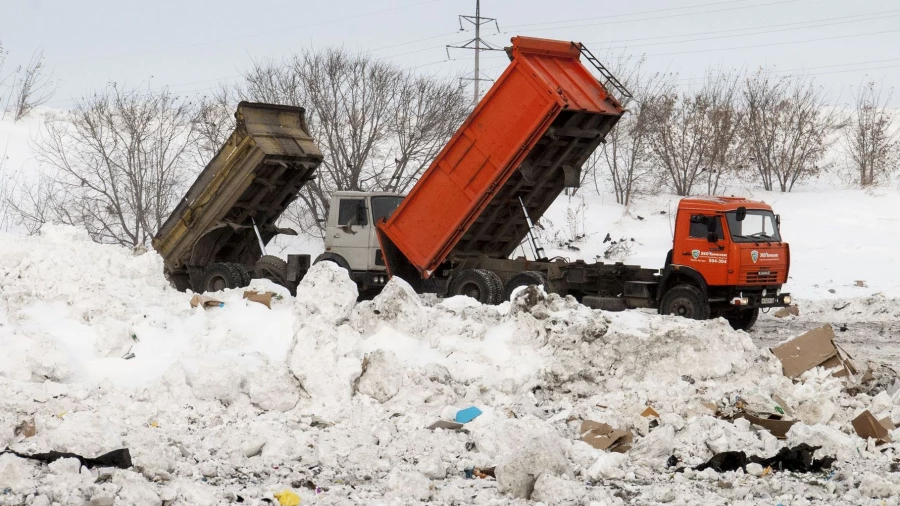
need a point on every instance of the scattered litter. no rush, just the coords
(815, 348)
(117, 458)
(25, 428)
(792, 310)
(867, 427)
(467, 415)
(264, 298)
(860, 283)
(487, 472)
(798, 459)
(603, 437)
(206, 302)
(650, 412)
(447, 425)
(287, 498)
(779, 428)
(837, 307)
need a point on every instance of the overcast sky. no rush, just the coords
(192, 45)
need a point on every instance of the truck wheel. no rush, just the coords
(480, 284)
(687, 301)
(220, 276)
(272, 268)
(526, 278)
(743, 319)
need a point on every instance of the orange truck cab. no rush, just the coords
(728, 259)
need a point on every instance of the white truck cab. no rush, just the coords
(350, 236)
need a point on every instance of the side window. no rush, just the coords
(700, 226)
(352, 212)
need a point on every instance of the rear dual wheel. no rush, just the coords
(220, 276)
(480, 284)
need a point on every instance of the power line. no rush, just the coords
(776, 43)
(251, 35)
(760, 29)
(477, 44)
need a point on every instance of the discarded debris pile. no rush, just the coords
(401, 399)
(798, 459)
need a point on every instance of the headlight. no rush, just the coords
(787, 299)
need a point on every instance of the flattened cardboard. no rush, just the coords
(206, 302)
(650, 412)
(778, 428)
(264, 298)
(812, 349)
(446, 425)
(788, 311)
(867, 426)
(603, 437)
(887, 423)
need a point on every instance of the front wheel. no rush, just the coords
(743, 319)
(686, 301)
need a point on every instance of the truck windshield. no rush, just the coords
(383, 207)
(757, 226)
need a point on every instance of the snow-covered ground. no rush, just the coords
(331, 398)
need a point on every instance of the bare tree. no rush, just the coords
(115, 165)
(694, 136)
(725, 118)
(378, 126)
(789, 128)
(33, 86)
(625, 159)
(679, 139)
(872, 143)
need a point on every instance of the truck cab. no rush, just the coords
(350, 235)
(728, 259)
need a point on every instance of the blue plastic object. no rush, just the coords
(467, 415)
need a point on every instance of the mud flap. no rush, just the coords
(398, 265)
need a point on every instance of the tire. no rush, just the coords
(480, 284)
(526, 278)
(687, 301)
(272, 268)
(743, 319)
(220, 276)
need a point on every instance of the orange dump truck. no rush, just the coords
(455, 231)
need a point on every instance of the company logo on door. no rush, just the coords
(709, 257)
(765, 255)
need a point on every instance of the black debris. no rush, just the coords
(640, 217)
(117, 458)
(607, 238)
(798, 459)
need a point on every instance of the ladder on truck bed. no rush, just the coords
(610, 78)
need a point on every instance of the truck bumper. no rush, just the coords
(758, 300)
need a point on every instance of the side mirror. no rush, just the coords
(741, 213)
(778, 221)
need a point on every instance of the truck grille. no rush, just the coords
(760, 278)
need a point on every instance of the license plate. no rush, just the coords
(768, 300)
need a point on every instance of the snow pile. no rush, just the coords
(331, 398)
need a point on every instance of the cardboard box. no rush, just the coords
(603, 437)
(206, 302)
(788, 311)
(778, 428)
(867, 426)
(650, 412)
(815, 348)
(264, 298)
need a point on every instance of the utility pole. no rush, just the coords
(478, 44)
